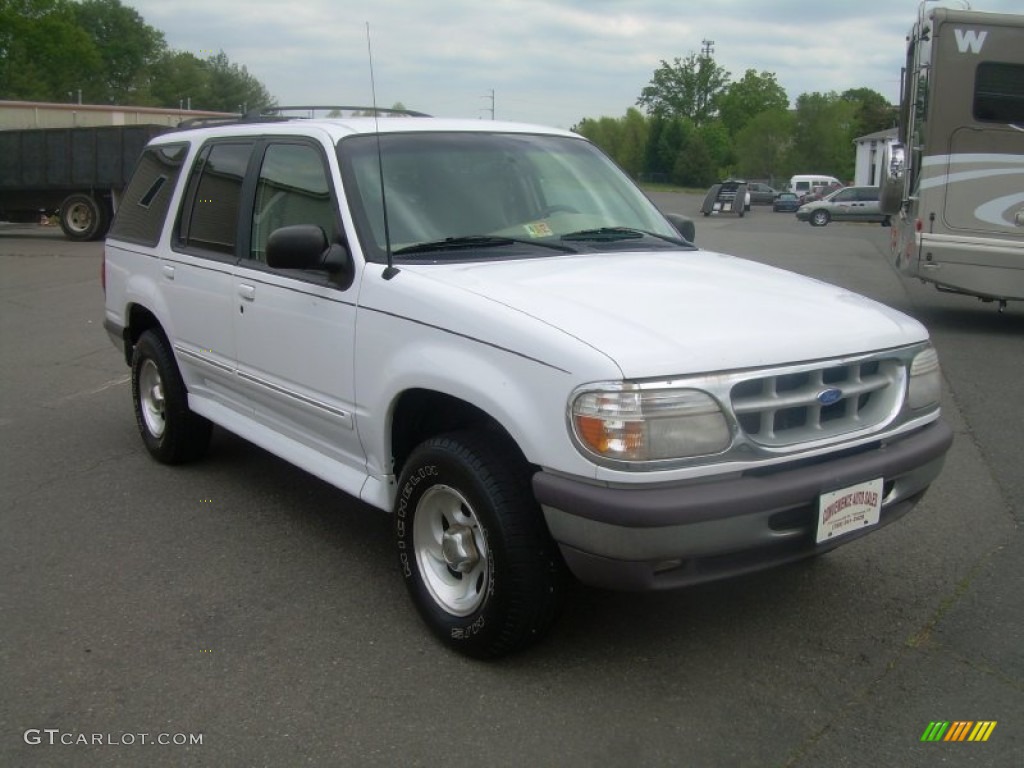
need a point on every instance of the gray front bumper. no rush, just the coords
(661, 537)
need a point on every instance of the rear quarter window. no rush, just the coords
(143, 209)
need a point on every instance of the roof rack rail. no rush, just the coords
(273, 115)
(274, 112)
(200, 122)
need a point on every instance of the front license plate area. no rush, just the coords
(849, 509)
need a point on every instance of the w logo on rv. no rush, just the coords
(970, 40)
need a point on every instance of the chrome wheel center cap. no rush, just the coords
(459, 549)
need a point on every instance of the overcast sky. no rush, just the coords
(551, 62)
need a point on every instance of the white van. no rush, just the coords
(803, 184)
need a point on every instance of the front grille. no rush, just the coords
(788, 407)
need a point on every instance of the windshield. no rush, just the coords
(474, 195)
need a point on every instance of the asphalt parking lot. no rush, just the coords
(244, 602)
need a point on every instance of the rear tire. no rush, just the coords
(83, 217)
(478, 561)
(172, 433)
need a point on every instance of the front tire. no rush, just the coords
(172, 433)
(477, 559)
(819, 218)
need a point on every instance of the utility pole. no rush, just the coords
(707, 48)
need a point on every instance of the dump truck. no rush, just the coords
(76, 174)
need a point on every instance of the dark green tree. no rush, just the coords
(624, 139)
(232, 88)
(694, 166)
(762, 145)
(823, 135)
(672, 141)
(632, 143)
(685, 88)
(715, 138)
(748, 97)
(44, 54)
(873, 112)
(602, 131)
(126, 45)
(56, 50)
(177, 80)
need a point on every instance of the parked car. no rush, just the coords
(489, 332)
(846, 204)
(761, 194)
(786, 202)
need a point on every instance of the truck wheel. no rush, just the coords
(171, 432)
(819, 218)
(83, 217)
(477, 559)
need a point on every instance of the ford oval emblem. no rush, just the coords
(830, 396)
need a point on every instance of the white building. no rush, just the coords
(868, 165)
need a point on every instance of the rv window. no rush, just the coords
(999, 92)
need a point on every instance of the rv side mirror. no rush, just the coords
(890, 193)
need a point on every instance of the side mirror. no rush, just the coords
(890, 192)
(683, 225)
(305, 246)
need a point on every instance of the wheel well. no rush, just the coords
(140, 320)
(421, 414)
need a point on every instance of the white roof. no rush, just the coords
(338, 128)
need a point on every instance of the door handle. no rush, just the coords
(247, 292)
(168, 271)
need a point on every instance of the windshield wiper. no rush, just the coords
(611, 234)
(470, 242)
(605, 233)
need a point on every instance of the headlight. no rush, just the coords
(925, 385)
(649, 424)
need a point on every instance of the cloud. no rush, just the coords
(548, 62)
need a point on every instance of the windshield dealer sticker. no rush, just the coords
(538, 229)
(849, 509)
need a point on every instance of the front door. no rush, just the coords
(294, 329)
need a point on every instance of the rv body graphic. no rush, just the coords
(955, 181)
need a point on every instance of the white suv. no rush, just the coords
(488, 331)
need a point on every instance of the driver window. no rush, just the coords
(292, 189)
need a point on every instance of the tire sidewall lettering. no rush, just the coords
(420, 480)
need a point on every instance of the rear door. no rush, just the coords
(869, 207)
(198, 273)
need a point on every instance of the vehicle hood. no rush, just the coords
(682, 312)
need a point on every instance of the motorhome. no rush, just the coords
(954, 182)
